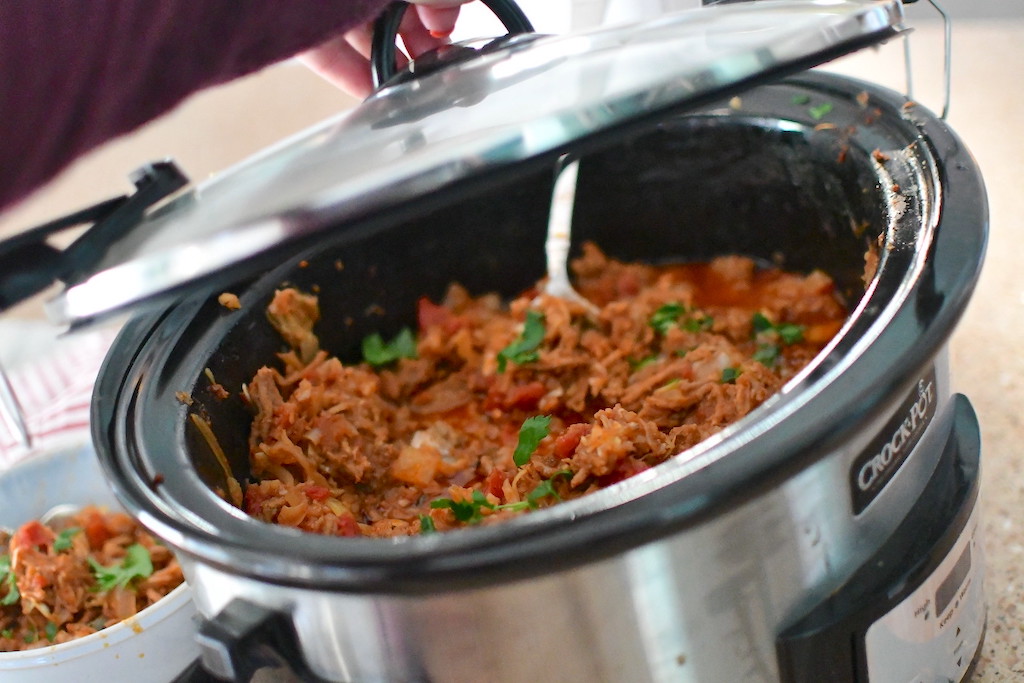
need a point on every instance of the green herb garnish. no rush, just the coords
(470, 511)
(427, 524)
(63, 540)
(7, 633)
(136, 564)
(51, 631)
(789, 333)
(530, 434)
(761, 323)
(729, 375)
(543, 490)
(377, 352)
(524, 349)
(698, 324)
(31, 637)
(766, 354)
(666, 316)
(801, 99)
(7, 576)
(819, 112)
(670, 315)
(642, 363)
(465, 511)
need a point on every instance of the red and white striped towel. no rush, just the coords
(54, 391)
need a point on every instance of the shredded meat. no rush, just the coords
(675, 354)
(49, 587)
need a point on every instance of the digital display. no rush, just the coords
(951, 584)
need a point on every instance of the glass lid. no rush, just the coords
(478, 110)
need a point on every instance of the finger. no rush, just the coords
(341, 64)
(415, 35)
(439, 21)
(361, 38)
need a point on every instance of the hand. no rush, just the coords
(345, 60)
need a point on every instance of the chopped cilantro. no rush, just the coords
(530, 434)
(702, 323)
(642, 363)
(7, 576)
(377, 352)
(465, 511)
(543, 490)
(524, 349)
(670, 315)
(51, 631)
(761, 323)
(31, 637)
(7, 633)
(470, 511)
(820, 111)
(729, 375)
(801, 99)
(63, 540)
(789, 333)
(766, 354)
(136, 564)
(666, 316)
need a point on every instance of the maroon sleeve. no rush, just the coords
(76, 73)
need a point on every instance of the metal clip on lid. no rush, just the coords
(30, 264)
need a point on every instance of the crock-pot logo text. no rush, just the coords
(893, 451)
(878, 464)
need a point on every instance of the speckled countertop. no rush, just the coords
(987, 349)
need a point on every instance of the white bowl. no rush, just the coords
(155, 645)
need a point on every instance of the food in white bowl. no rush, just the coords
(89, 596)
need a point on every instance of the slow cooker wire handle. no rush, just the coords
(947, 64)
(383, 63)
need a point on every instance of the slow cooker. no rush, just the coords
(831, 535)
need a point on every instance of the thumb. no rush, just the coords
(438, 16)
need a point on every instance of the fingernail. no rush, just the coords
(440, 34)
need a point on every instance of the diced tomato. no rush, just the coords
(315, 492)
(525, 396)
(31, 535)
(253, 502)
(96, 531)
(347, 526)
(566, 442)
(624, 470)
(493, 482)
(429, 314)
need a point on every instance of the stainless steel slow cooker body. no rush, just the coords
(694, 571)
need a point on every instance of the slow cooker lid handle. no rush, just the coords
(383, 63)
